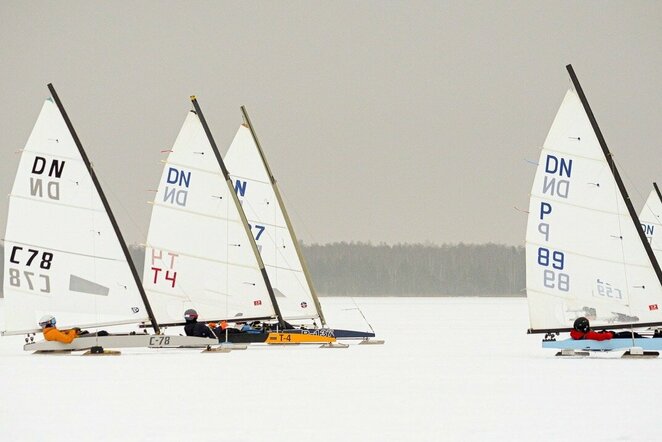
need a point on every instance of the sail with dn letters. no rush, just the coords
(586, 254)
(198, 254)
(63, 253)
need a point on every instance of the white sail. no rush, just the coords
(269, 228)
(584, 255)
(62, 256)
(198, 254)
(651, 222)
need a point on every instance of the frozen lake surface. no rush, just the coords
(451, 369)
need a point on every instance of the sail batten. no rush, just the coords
(69, 206)
(210, 258)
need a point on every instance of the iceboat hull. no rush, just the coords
(610, 345)
(286, 337)
(334, 332)
(122, 341)
(351, 334)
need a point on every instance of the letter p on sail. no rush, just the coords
(543, 228)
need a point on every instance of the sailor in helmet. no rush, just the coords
(195, 328)
(51, 333)
(581, 329)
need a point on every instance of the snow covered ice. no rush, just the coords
(451, 369)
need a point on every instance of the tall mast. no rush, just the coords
(279, 198)
(657, 190)
(242, 215)
(617, 176)
(109, 212)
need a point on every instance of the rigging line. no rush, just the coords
(277, 248)
(227, 267)
(141, 230)
(642, 196)
(631, 183)
(94, 233)
(362, 315)
(299, 217)
(619, 196)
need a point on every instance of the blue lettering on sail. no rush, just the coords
(179, 177)
(553, 187)
(545, 209)
(552, 277)
(240, 187)
(648, 229)
(173, 195)
(554, 165)
(556, 183)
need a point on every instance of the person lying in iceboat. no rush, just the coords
(195, 328)
(581, 329)
(51, 332)
(247, 328)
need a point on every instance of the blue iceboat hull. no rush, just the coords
(609, 345)
(351, 334)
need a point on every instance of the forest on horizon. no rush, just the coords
(363, 269)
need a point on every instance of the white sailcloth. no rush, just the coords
(198, 254)
(651, 222)
(267, 221)
(584, 256)
(62, 256)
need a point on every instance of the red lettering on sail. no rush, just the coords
(156, 273)
(172, 278)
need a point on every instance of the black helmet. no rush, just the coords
(190, 315)
(581, 324)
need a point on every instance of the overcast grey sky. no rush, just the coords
(383, 121)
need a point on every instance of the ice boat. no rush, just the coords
(64, 252)
(200, 252)
(261, 200)
(586, 252)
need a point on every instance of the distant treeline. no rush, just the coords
(416, 269)
(363, 269)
